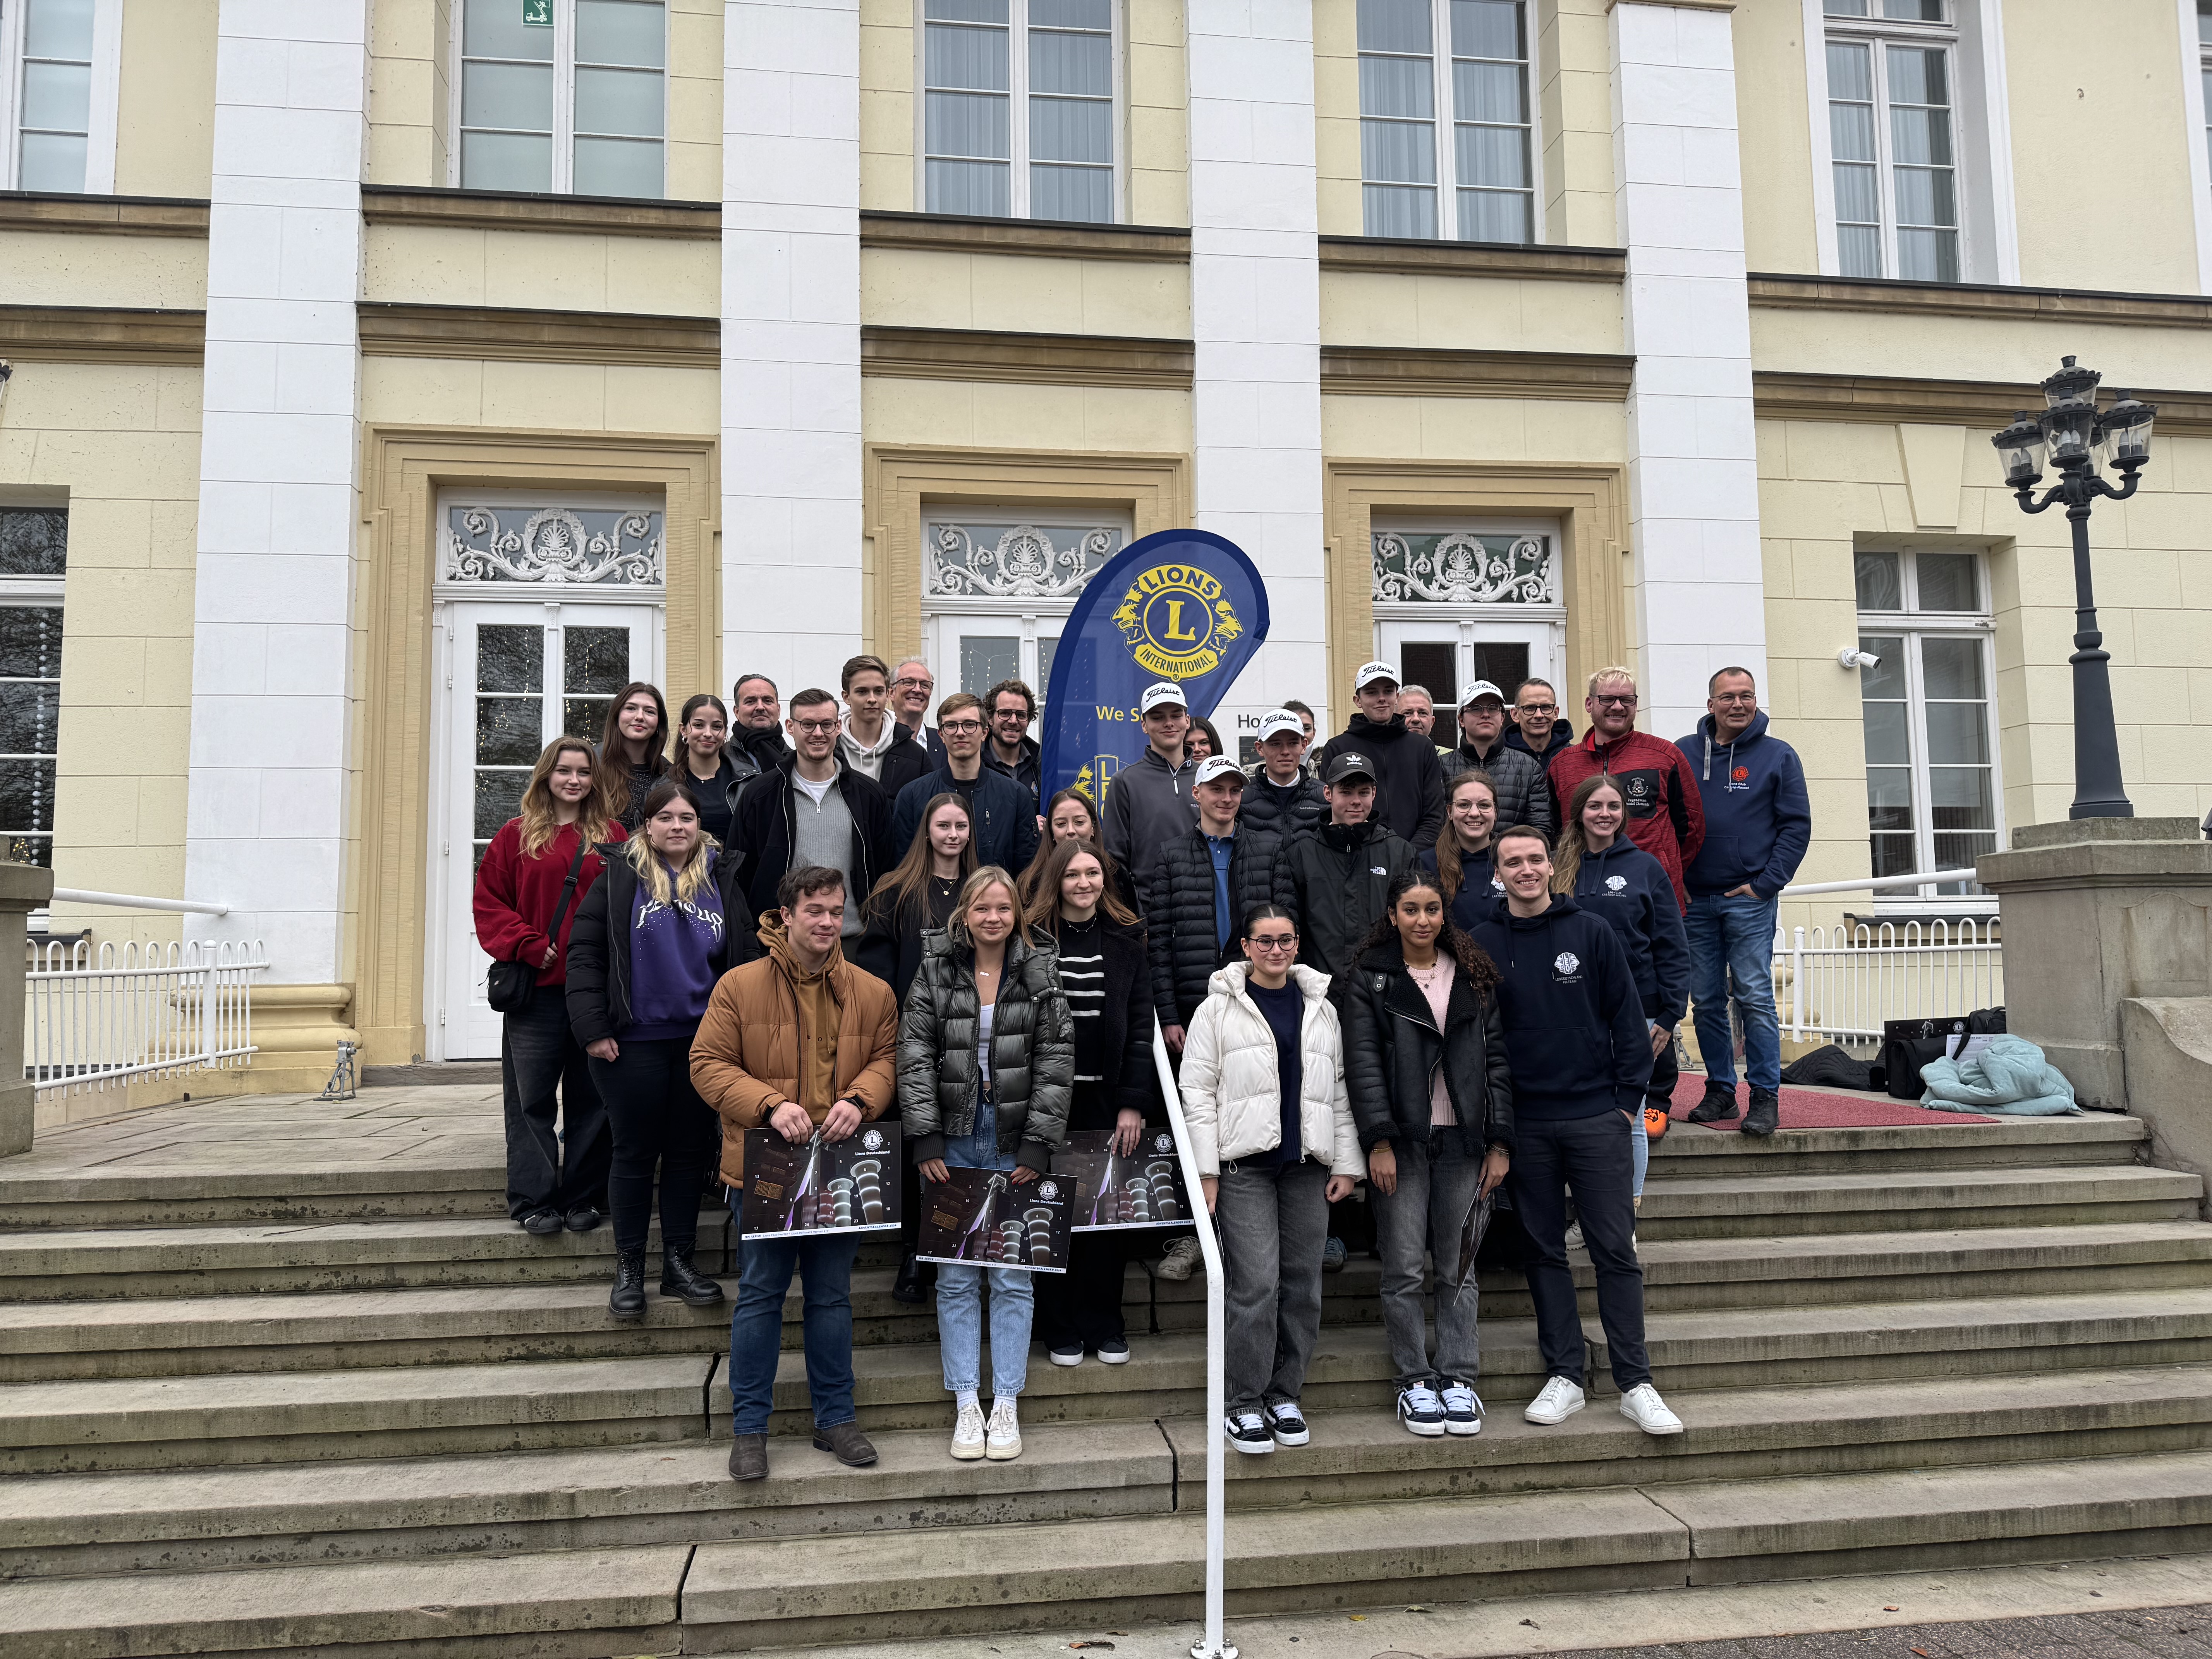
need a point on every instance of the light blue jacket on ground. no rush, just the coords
(2010, 1077)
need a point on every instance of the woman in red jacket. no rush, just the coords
(553, 1179)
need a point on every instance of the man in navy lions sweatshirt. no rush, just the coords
(1580, 1054)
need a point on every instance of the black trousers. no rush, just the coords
(1591, 1154)
(659, 1120)
(544, 1079)
(1082, 1307)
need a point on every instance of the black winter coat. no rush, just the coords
(1392, 1051)
(598, 945)
(1179, 913)
(889, 945)
(763, 828)
(1409, 783)
(1334, 880)
(902, 762)
(1281, 809)
(1032, 1052)
(1517, 778)
(1122, 1039)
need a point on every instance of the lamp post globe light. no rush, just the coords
(2082, 443)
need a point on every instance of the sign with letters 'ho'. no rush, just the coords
(1185, 606)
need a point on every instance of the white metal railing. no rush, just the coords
(1875, 884)
(1840, 984)
(139, 901)
(99, 1015)
(1210, 1646)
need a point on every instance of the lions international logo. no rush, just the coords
(871, 1140)
(1047, 1190)
(1616, 884)
(1566, 963)
(1163, 1143)
(1176, 623)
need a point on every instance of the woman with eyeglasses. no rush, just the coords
(1272, 1133)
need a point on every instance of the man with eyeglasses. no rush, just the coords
(872, 742)
(1758, 821)
(1002, 817)
(1011, 707)
(1517, 778)
(911, 687)
(811, 810)
(1666, 816)
(1534, 725)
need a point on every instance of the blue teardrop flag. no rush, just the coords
(1185, 606)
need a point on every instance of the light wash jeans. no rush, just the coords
(1732, 939)
(1639, 1148)
(960, 1288)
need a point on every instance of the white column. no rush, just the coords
(790, 339)
(1255, 312)
(278, 509)
(1692, 464)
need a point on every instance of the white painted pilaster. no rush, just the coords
(790, 339)
(1255, 314)
(1692, 463)
(278, 506)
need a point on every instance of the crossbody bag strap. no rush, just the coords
(568, 888)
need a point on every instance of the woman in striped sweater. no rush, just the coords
(1101, 949)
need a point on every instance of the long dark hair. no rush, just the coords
(1453, 941)
(1199, 724)
(906, 886)
(1450, 849)
(1046, 846)
(1041, 905)
(614, 748)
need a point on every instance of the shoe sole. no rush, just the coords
(1426, 1431)
(1282, 1439)
(1076, 1359)
(969, 1453)
(571, 1227)
(1699, 1115)
(1463, 1430)
(1760, 1132)
(1677, 1428)
(1549, 1420)
(627, 1318)
(713, 1301)
(1258, 1449)
(742, 1479)
(1174, 1275)
(999, 1456)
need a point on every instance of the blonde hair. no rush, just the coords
(1567, 861)
(990, 876)
(595, 814)
(1609, 676)
(651, 873)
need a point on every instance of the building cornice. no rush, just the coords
(499, 210)
(1984, 404)
(1781, 291)
(108, 215)
(954, 233)
(961, 353)
(1432, 258)
(1417, 372)
(518, 335)
(101, 334)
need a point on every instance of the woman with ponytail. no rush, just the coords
(1460, 859)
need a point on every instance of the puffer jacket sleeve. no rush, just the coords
(1202, 1085)
(1498, 1079)
(920, 1035)
(1543, 808)
(1051, 1075)
(877, 1083)
(1346, 1158)
(1159, 937)
(1366, 1062)
(589, 1016)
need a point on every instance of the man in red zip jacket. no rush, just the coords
(1666, 814)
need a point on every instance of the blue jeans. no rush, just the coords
(1639, 1152)
(960, 1287)
(1732, 939)
(757, 1326)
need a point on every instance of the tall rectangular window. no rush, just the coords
(2204, 60)
(564, 96)
(33, 556)
(60, 62)
(1018, 108)
(1479, 184)
(1891, 138)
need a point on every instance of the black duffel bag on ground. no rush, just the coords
(1909, 1044)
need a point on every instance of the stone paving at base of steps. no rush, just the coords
(2153, 1633)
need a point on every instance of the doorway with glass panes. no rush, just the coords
(1458, 602)
(541, 612)
(997, 583)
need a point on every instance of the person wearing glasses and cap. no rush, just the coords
(1280, 795)
(1148, 803)
(1517, 777)
(1409, 784)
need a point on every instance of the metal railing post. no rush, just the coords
(1797, 986)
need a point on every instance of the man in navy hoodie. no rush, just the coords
(1757, 824)
(1575, 1040)
(1535, 727)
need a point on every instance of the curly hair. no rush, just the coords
(1452, 940)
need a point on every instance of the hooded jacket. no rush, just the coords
(599, 977)
(1024, 769)
(1232, 1084)
(1563, 733)
(1148, 803)
(1626, 887)
(895, 759)
(1409, 782)
(1666, 818)
(1334, 879)
(1759, 820)
(1179, 919)
(1575, 1035)
(1524, 793)
(1393, 1052)
(1004, 817)
(1282, 809)
(746, 1056)
(1032, 1051)
(765, 829)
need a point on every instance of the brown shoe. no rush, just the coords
(847, 1443)
(749, 1457)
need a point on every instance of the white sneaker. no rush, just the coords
(1183, 1258)
(968, 1434)
(1575, 1238)
(1004, 1432)
(1559, 1400)
(1643, 1406)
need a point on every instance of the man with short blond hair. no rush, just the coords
(1658, 790)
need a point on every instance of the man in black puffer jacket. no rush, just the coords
(1334, 878)
(1197, 892)
(1517, 777)
(1280, 795)
(1409, 784)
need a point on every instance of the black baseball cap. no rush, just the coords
(1347, 766)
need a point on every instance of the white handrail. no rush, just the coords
(139, 901)
(1210, 1644)
(1877, 882)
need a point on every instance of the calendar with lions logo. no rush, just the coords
(850, 1185)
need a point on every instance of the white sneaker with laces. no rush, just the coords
(1462, 1408)
(1247, 1431)
(1420, 1411)
(1575, 1238)
(968, 1437)
(1643, 1406)
(1184, 1257)
(1559, 1400)
(1003, 1433)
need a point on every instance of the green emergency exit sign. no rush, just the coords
(538, 14)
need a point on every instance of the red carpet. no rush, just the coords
(1817, 1109)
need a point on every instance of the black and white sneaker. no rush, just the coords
(1070, 1355)
(1288, 1424)
(1113, 1351)
(1462, 1408)
(542, 1223)
(1420, 1411)
(1248, 1432)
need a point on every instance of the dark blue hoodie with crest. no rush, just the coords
(1573, 1023)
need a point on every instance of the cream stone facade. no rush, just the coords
(327, 310)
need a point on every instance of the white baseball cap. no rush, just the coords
(1280, 719)
(1159, 694)
(1480, 689)
(1218, 766)
(1372, 671)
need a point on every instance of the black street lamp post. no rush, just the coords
(2081, 442)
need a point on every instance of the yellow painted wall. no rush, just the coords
(439, 264)
(910, 287)
(1484, 314)
(887, 105)
(55, 268)
(1472, 429)
(695, 100)
(1336, 119)
(989, 415)
(1775, 139)
(559, 397)
(165, 122)
(1939, 348)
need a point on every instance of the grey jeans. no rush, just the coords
(1273, 1221)
(1436, 1185)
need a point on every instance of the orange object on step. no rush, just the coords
(1656, 1121)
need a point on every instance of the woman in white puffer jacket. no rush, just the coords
(1271, 1130)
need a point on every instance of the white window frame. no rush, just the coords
(564, 98)
(1017, 125)
(1446, 146)
(2196, 64)
(106, 101)
(1033, 619)
(1914, 626)
(41, 593)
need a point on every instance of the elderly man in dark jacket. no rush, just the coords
(1524, 793)
(1196, 894)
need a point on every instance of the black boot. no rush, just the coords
(1765, 1114)
(679, 1278)
(911, 1284)
(627, 1300)
(1718, 1105)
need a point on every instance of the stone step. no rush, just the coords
(376, 1193)
(191, 1520)
(2094, 1138)
(442, 1325)
(1740, 1205)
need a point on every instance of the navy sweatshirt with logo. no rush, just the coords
(1759, 820)
(1625, 887)
(1574, 1024)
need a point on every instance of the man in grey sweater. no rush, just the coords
(812, 810)
(1149, 804)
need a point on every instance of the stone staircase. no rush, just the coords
(354, 1411)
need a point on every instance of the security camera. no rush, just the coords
(1851, 657)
